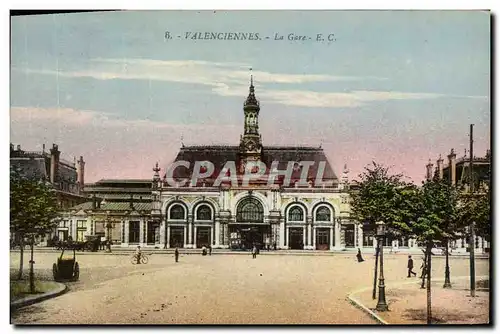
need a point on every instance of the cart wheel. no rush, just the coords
(133, 259)
(54, 271)
(76, 274)
(144, 259)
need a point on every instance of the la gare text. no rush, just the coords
(248, 36)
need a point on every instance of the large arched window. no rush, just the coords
(203, 213)
(323, 214)
(250, 210)
(177, 212)
(295, 214)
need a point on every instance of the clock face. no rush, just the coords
(250, 146)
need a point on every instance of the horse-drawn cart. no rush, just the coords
(66, 268)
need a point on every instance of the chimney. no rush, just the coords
(452, 164)
(80, 171)
(19, 147)
(11, 147)
(54, 162)
(440, 167)
(429, 170)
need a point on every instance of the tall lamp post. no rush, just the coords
(381, 304)
(109, 226)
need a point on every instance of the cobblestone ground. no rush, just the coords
(218, 289)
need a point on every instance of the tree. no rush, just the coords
(451, 227)
(374, 198)
(33, 212)
(433, 221)
(476, 209)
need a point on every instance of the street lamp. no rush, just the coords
(109, 226)
(381, 304)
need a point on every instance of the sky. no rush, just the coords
(394, 87)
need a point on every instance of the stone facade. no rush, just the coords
(189, 212)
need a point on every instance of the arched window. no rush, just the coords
(250, 210)
(177, 212)
(323, 214)
(296, 214)
(203, 213)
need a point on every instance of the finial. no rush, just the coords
(182, 140)
(156, 168)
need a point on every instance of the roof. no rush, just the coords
(123, 181)
(219, 155)
(114, 206)
(122, 195)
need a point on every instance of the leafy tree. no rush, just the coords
(377, 196)
(476, 209)
(435, 214)
(33, 212)
(373, 197)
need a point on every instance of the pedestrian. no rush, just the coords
(274, 245)
(410, 267)
(359, 256)
(176, 254)
(423, 266)
(203, 250)
(209, 249)
(254, 252)
(138, 254)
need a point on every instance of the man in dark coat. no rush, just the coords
(410, 267)
(359, 256)
(176, 254)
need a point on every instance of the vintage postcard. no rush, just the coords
(250, 167)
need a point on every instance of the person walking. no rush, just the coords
(254, 252)
(209, 249)
(176, 254)
(410, 267)
(423, 266)
(359, 256)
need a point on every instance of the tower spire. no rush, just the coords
(251, 99)
(251, 80)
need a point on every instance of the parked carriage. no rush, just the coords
(66, 268)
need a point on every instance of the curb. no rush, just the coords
(372, 314)
(61, 289)
(375, 316)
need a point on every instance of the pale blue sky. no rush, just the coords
(395, 87)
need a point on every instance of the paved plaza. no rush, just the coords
(218, 289)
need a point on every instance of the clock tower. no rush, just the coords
(251, 141)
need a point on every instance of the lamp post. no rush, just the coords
(381, 304)
(109, 226)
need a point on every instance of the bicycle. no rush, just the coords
(144, 259)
